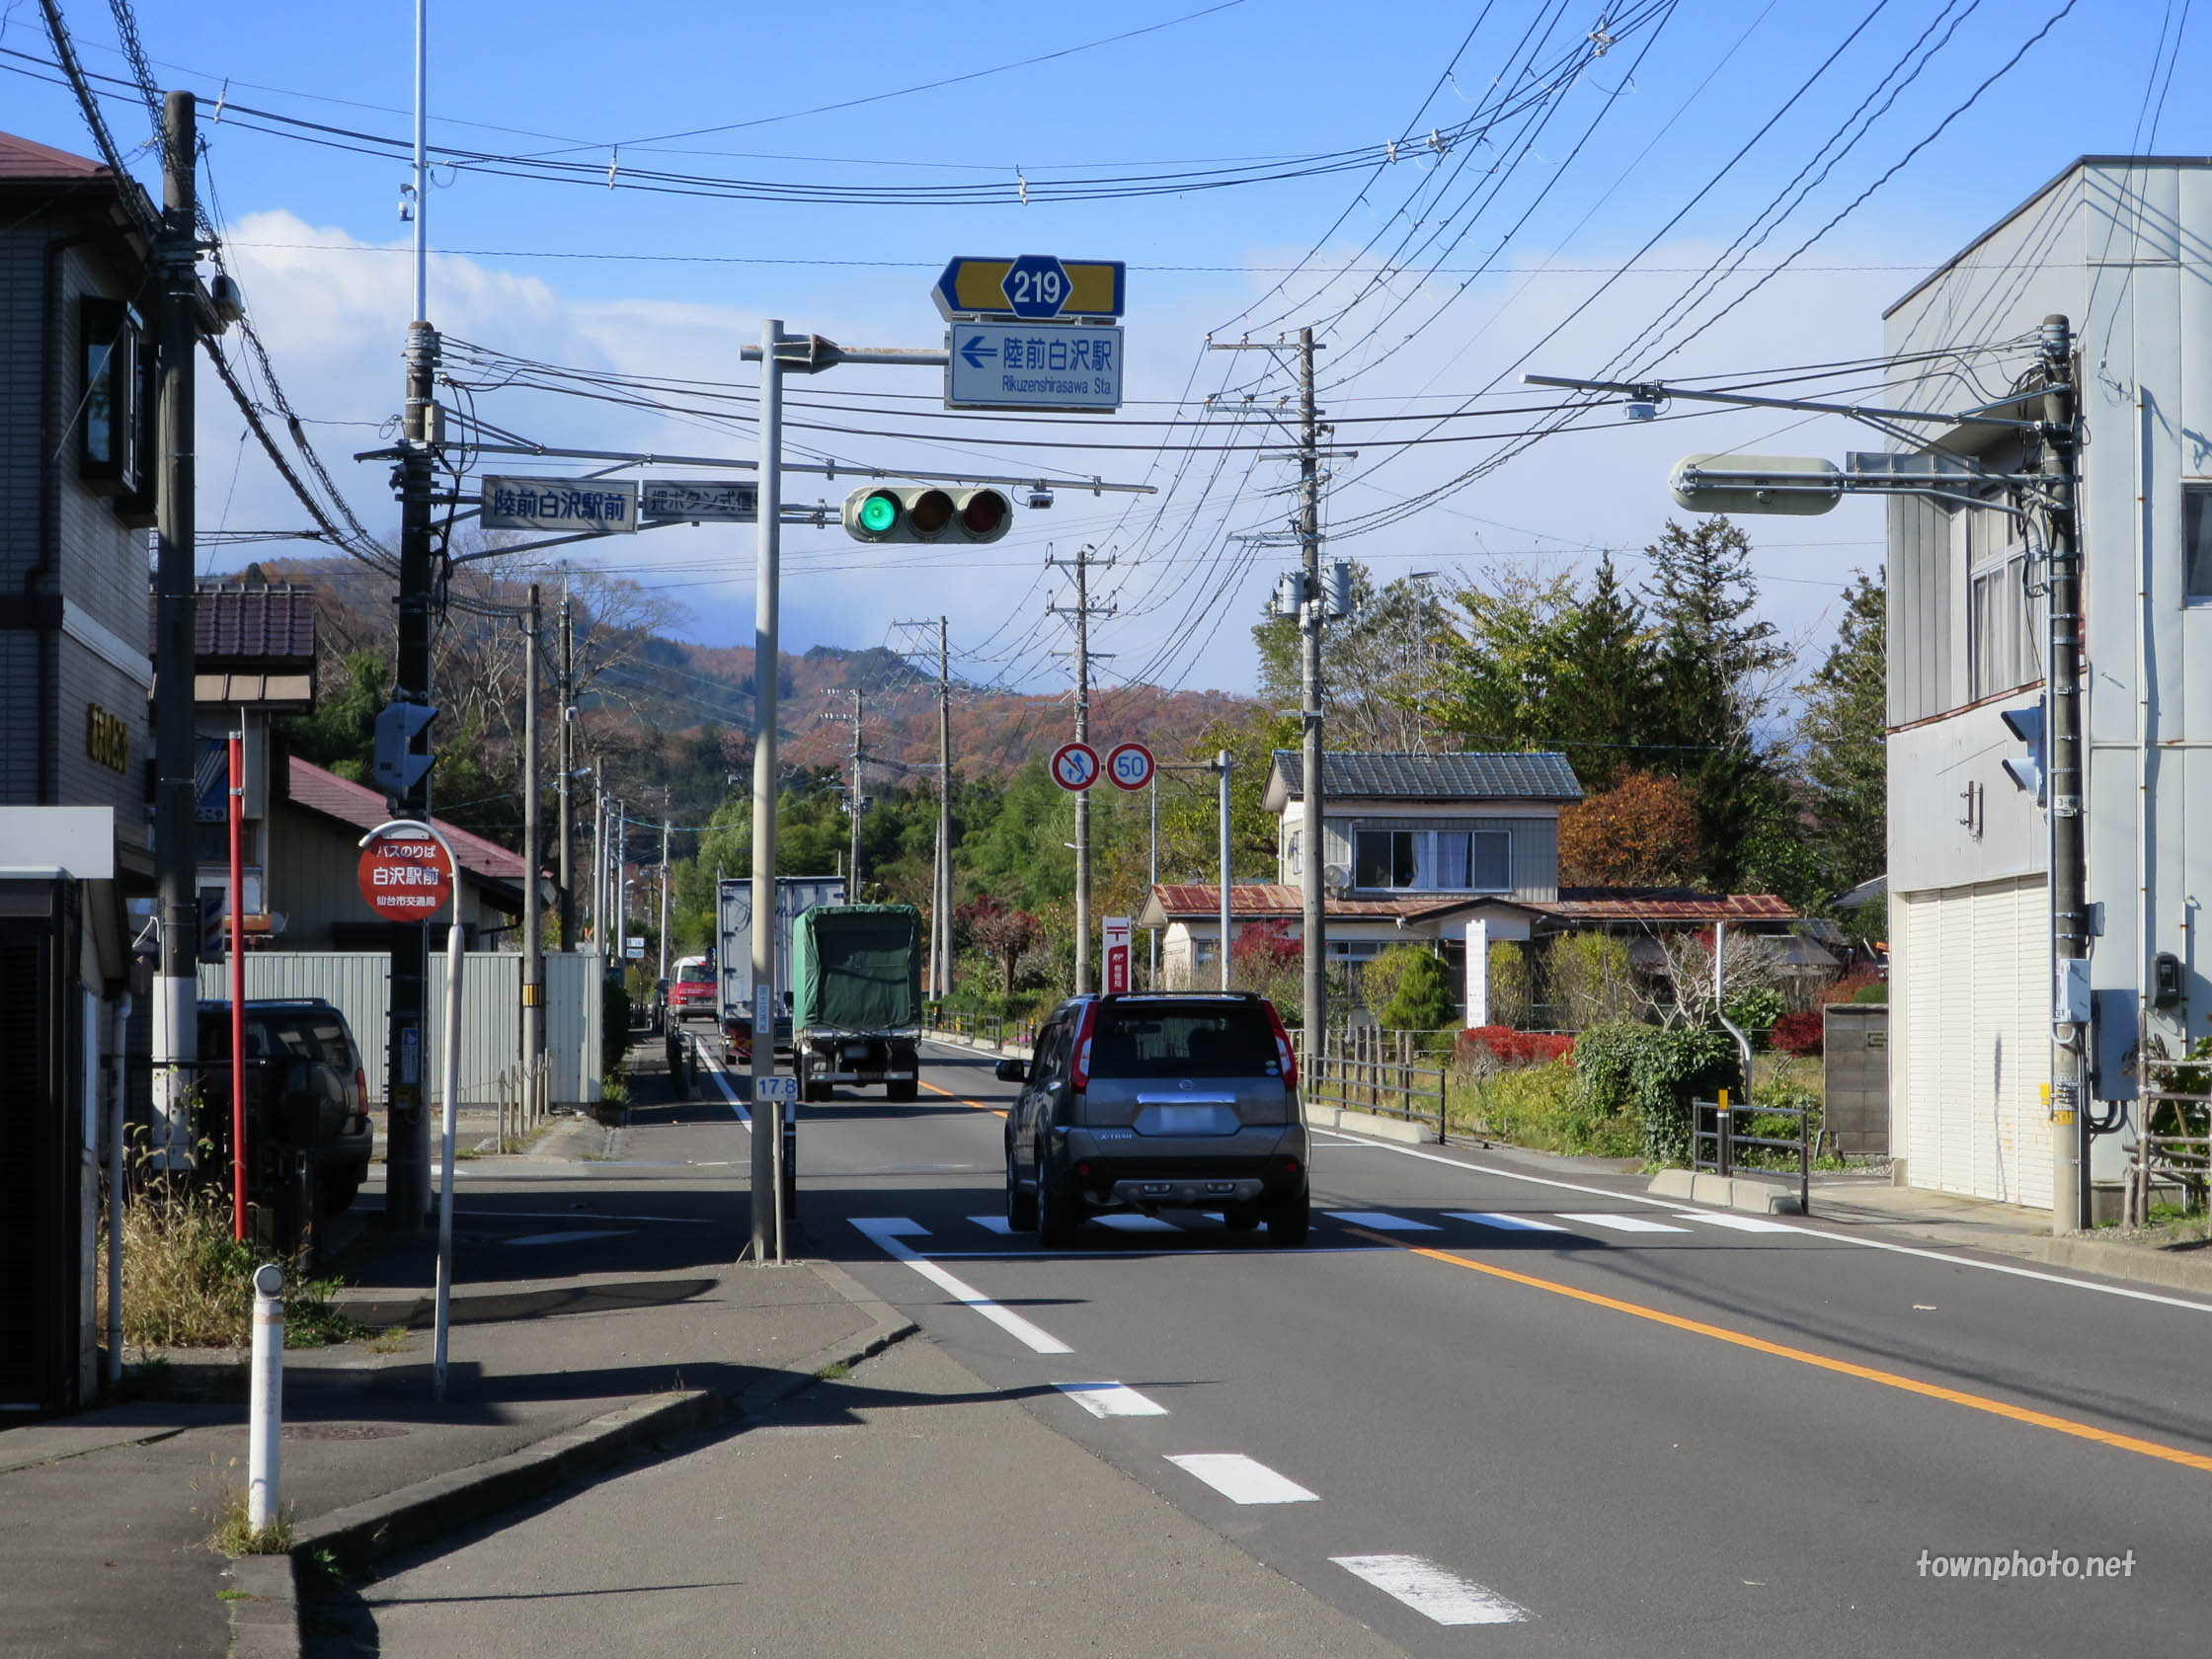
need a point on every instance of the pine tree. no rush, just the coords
(1714, 666)
(1609, 650)
(1842, 730)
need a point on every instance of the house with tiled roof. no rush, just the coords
(1458, 850)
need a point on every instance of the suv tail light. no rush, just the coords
(1282, 1048)
(1078, 1069)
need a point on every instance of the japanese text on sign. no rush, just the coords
(546, 503)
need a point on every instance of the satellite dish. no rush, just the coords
(1336, 877)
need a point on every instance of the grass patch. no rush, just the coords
(232, 1534)
(392, 1339)
(836, 1371)
(1543, 1108)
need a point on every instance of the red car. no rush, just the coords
(691, 995)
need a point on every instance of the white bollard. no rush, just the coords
(266, 1424)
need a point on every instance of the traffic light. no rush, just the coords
(2030, 771)
(396, 768)
(927, 513)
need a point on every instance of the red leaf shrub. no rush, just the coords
(1508, 1047)
(1800, 1033)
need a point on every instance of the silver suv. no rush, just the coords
(1170, 1100)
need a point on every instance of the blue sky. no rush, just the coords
(1432, 277)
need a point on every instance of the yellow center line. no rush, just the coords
(1823, 1362)
(994, 1111)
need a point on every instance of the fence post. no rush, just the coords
(1443, 1105)
(1725, 1148)
(265, 1413)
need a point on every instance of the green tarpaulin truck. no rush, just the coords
(856, 998)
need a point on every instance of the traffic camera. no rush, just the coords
(926, 513)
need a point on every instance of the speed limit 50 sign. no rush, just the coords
(1130, 765)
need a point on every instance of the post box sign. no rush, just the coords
(1116, 930)
(405, 880)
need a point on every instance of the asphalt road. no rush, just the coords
(1496, 1409)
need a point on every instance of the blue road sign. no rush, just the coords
(1070, 366)
(973, 285)
(1037, 286)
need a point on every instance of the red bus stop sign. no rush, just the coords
(406, 881)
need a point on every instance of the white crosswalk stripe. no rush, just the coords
(1433, 1592)
(1137, 1224)
(994, 1223)
(1617, 1221)
(1240, 1479)
(1503, 1221)
(1382, 1220)
(1111, 1400)
(1735, 1223)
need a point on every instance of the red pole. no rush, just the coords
(238, 985)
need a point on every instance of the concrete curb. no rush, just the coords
(266, 1623)
(1725, 1192)
(2173, 1269)
(1351, 1121)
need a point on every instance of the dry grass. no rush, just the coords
(230, 1534)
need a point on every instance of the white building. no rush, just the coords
(2118, 247)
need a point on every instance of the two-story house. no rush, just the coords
(1458, 850)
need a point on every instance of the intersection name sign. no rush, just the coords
(603, 504)
(1071, 368)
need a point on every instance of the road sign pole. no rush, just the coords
(768, 1127)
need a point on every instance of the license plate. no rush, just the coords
(1187, 1120)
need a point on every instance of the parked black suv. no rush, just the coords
(305, 1097)
(1158, 1101)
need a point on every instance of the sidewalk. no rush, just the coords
(103, 1517)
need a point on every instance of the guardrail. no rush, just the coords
(1386, 1087)
(1716, 1138)
(986, 1030)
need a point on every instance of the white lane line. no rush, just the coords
(1430, 1591)
(1505, 1222)
(1467, 1167)
(888, 1231)
(1382, 1220)
(1137, 1224)
(576, 1238)
(1111, 1400)
(1241, 1480)
(728, 1094)
(1738, 1223)
(576, 1216)
(994, 1223)
(1618, 1222)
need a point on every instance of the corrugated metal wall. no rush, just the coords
(358, 984)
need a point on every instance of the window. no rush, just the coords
(1433, 860)
(2197, 541)
(2000, 620)
(111, 425)
(1140, 1042)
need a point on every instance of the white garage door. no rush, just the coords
(1972, 976)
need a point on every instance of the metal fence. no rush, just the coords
(2174, 1145)
(522, 1091)
(989, 1030)
(1372, 1070)
(1718, 1142)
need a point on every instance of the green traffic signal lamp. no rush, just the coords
(927, 513)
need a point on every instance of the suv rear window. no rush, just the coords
(1193, 1040)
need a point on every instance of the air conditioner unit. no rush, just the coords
(1336, 877)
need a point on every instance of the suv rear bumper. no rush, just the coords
(1256, 1164)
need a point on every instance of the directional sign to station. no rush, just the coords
(1037, 287)
(1130, 765)
(1071, 366)
(1074, 766)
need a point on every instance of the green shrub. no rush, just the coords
(1512, 984)
(1878, 991)
(1757, 1007)
(614, 1028)
(1423, 1000)
(1547, 1108)
(1650, 1075)
(1590, 977)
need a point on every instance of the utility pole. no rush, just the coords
(767, 1120)
(175, 1037)
(599, 859)
(620, 875)
(942, 904)
(1153, 793)
(533, 861)
(1222, 766)
(568, 772)
(1311, 610)
(408, 1151)
(1083, 611)
(665, 828)
(2070, 946)
(853, 797)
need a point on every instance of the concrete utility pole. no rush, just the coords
(2070, 943)
(852, 793)
(767, 1140)
(408, 1150)
(599, 858)
(1312, 610)
(1083, 611)
(665, 830)
(176, 1036)
(942, 904)
(568, 773)
(1222, 766)
(533, 861)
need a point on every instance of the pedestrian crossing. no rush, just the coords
(1435, 1228)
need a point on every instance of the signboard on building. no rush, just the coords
(405, 880)
(602, 505)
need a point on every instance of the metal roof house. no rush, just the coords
(2118, 246)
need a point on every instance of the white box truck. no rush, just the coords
(795, 895)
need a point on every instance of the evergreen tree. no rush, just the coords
(1609, 663)
(1842, 730)
(1713, 671)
